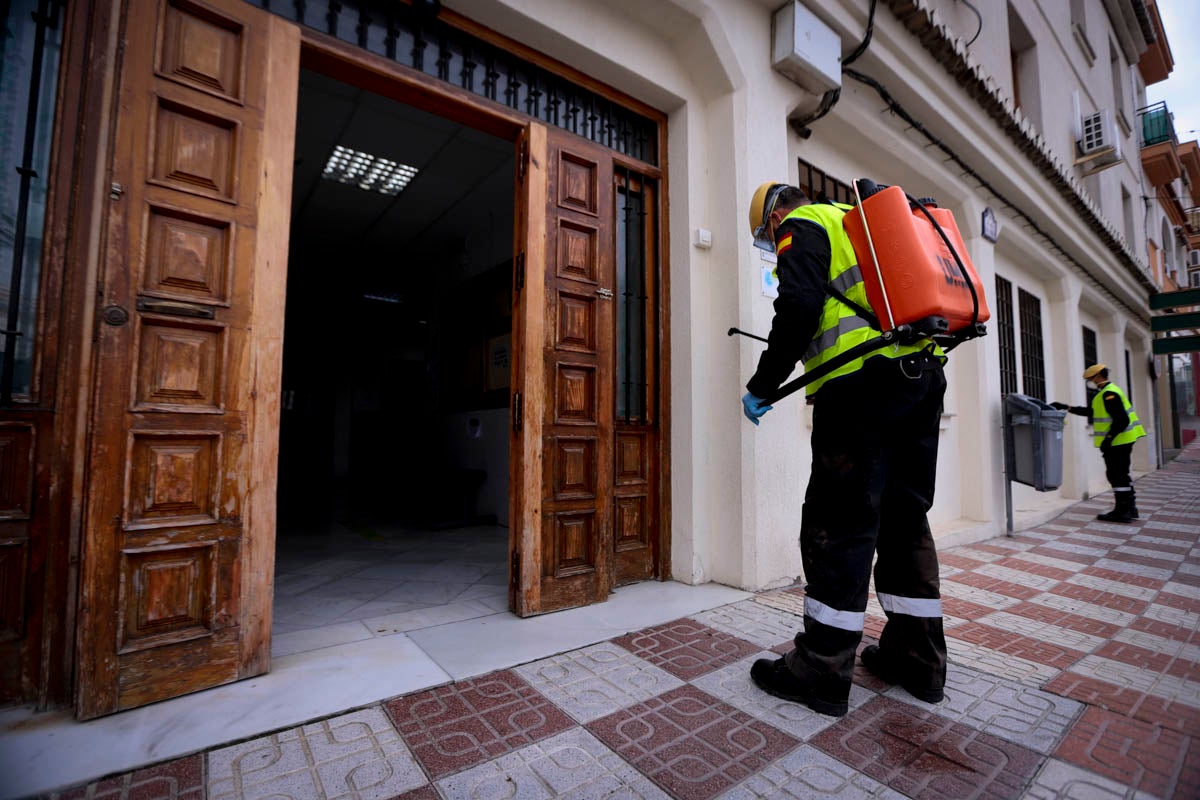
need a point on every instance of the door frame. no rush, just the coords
(84, 123)
(358, 67)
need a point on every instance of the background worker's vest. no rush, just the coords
(840, 327)
(1101, 421)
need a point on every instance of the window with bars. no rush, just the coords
(637, 266)
(1091, 355)
(411, 37)
(29, 56)
(819, 186)
(1007, 331)
(1033, 364)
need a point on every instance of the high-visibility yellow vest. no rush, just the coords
(1101, 421)
(840, 327)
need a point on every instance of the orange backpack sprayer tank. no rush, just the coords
(918, 279)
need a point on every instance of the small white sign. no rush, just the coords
(770, 282)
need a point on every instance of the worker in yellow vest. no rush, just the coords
(1115, 427)
(874, 441)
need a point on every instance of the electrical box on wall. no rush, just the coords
(805, 50)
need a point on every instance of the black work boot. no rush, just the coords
(1133, 512)
(1125, 510)
(774, 678)
(893, 671)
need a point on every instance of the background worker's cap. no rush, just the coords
(1093, 371)
(761, 205)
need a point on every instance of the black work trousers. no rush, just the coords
(874, 441)
(1116, 465)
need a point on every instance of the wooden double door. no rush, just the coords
(179, 531)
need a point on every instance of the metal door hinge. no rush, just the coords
(516, 411)
(519, 272)
(522, 158)
(115, 191)
(605, 293)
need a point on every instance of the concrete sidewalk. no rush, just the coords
(1075, 673)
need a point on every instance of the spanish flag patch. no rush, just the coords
(783, 245)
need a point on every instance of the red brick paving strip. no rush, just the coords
(961, 562)
(1034, 568)
(1116, 602)
(1063, 555)
(927, 756)
(1166, 630)
(455, 727)
(1124, 577)
(690, 743)
(1065, 619)
(426, 792)
(686, 649)
(1015, 644)
(1146, 659)
(1149, 758)
(1191, 604)
(182, 779)
(990, 584)
(1129, 702)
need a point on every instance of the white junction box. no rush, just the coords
(805, 50)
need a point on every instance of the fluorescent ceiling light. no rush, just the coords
(368, 172)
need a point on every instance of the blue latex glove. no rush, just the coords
(754, 407)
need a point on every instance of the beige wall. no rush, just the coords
(737, 489)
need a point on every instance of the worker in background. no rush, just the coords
(874, 442)
(1115, 427)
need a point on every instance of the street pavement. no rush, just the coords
(1074, 673)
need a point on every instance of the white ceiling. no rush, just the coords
(465, 175)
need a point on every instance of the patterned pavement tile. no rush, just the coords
(1059, 780)
(690, 743)
(732, 685)
(597, 680)
(1149, 758)
(572, 764)
(1134, 568)
(1038, 565)
(1063, 552)
(1007, 709)
(357, 755)
(1179, 601)
(1130, 677)
(1124, 700)
(426, 792)
(925, 755)
(978, 554)
(181, 779)
(963, 609)
(1022, 578)
(1165, 630)
(956, 559)
(685, 648)
(1157, 562)
(1159, 644)
(1077, 517)
(1160, 544)
(806, 773)
(1183, 577)
(1043, 631)
(979, 597)
(452, 728)
(1013, 644)
(1084, 609)
(1071, 544)
(1109, 586)
(1189, 569)
(1150, 659)
(999, 664)
(1172, 616)
(1181, 589)
(754, 622)
(1120, 530)
(1065, 619)
(1100, 597)
(1174, 527)
(1124, 577)
(1034, 536)
(784, 601)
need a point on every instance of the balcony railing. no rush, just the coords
(1155, 125)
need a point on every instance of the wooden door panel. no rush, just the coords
(18, 443)
(562, 462)
(170, 600)
(633, 524)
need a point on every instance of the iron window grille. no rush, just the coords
(819, 186)
(1033, 364)
(1007, 331)
(29, 56)
(1091, 355)
(440, 50)
(637, 264)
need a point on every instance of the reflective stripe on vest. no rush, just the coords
(840, 328)
(1101, 424)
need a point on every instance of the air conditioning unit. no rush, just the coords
(1098, 145)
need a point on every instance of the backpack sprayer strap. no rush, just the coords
(841, 359)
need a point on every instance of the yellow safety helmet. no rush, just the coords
(1093, 371)
(761, 206)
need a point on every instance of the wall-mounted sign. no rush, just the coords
(991, 229)
(770, 282)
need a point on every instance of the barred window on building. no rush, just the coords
(1007, 331)
(819, 186)
(1091, 355)
(1033, 363)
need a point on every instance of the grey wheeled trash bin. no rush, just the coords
(1034, 441)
